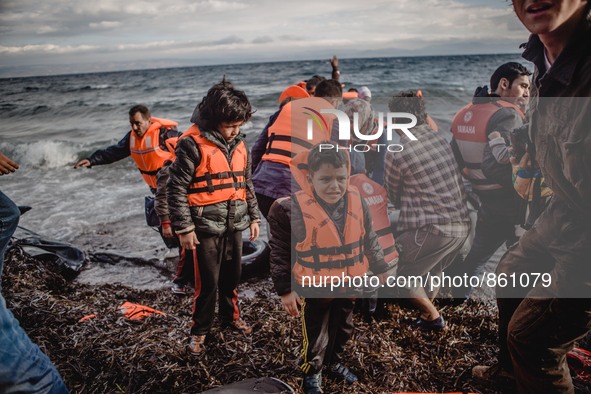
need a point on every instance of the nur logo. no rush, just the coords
(315, 117)
(345, 124)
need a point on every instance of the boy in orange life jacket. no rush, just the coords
(324, 229)
(211, 201)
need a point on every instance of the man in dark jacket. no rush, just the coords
(538, 326)
(148, 159)
(141, 122)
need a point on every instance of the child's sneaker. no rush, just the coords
(180, 289)
(492, 373)
(196, 344)
(239, 325)
(430, 325)
(339, 371)
(313, 384)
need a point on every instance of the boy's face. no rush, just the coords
(229, 130)
(546, 16)
(329, 182)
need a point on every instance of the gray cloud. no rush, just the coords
(262, 40)
(144, 33)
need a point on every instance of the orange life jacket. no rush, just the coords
(325, 251)
(146, 151)
(288, 135)
(469, 130)
(376, 198)
(215, 179)
(302, 84)
(133, 311)
(349, 95)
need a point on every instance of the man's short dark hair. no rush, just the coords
(313, 82)
(510, 71)
(224, 103)
(409, 102)
(329, 88)
(335, 157)
(142, 109)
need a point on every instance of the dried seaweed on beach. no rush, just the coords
(109, 354)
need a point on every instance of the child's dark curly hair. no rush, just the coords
(335, 157)
(224, 103)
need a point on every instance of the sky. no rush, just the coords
(43, 37)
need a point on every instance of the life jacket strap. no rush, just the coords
(153, 173)
(333, 250)
(212, 188)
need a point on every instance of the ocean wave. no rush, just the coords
(85, 88)
(42, 154)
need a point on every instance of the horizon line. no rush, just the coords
(215, 64)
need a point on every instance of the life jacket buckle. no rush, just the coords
(210, 188)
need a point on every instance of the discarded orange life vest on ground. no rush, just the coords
(133, 311)
(87, 317)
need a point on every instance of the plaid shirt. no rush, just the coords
(424, 182)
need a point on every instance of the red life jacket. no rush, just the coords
(469, 130)
(376, 198)
(146, 151)
(215, 179)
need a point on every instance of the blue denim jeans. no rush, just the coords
(23, 366)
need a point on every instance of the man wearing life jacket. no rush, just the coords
(211, 201)
(146, 144)
(287, 135)
(480, 137)
(320, 231)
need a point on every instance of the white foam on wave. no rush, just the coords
(46, 154)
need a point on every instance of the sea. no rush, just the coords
(50, 122)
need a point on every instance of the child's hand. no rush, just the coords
(254, 231)
(524, 163)
(383, 277)
(494, 135)
(167, 230)
(189, 240)
(290, 302)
